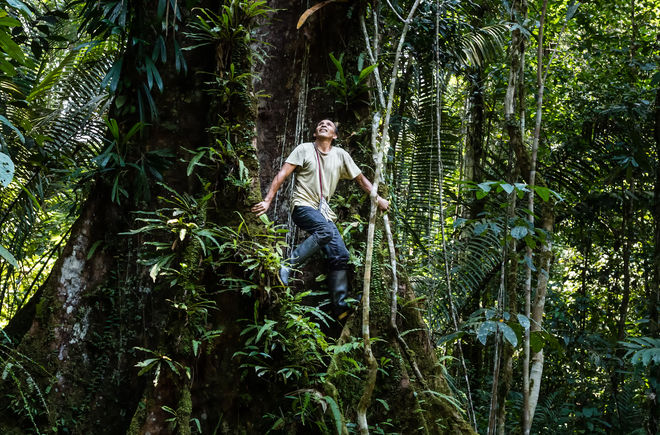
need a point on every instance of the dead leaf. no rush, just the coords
(315, 8)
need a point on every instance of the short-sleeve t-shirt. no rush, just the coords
(336, 165)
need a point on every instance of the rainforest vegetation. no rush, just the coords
(513, 286)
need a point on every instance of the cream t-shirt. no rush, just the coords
(336, 165)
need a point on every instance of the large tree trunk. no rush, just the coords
(99, 308)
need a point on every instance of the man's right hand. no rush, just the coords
(261, 207)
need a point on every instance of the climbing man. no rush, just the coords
(319, 166)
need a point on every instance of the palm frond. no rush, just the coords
(416, 157)
(58, 104)
(483, 45)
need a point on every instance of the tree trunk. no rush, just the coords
(626, 231)
(514, 111)
(538, 308)
(654, 300)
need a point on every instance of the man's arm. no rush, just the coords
(365, 184)
(262, 207)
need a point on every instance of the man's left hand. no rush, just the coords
(383, 204)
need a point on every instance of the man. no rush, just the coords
(319, 166)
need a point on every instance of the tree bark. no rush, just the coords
(626, 231)
(654, 299)
(514, 118)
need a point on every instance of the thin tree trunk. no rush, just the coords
(370, 383)
(508, 300)
(538, 308)
(514, 117)
(508, 350)
(627, 213)
(654, 300)
(528, 410)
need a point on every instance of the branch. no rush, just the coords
(374, 61)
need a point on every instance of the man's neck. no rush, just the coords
(323, 145)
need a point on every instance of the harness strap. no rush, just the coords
(318, 164)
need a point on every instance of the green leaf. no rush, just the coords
(6, 170)
(509, 334)
(530, 263)
(148, 366)
(485, 186)
(340, 69)
(8, 46)
(11, 126)
(336, 413)
(146, 362)
(450, 338)
(384, 403)
(588, 412)
(269, 325)
(530, 241)
(522, 187)
(485, 330)
(523, 320)
(194, 161)
(96, 244)
(572, 8)
(536, 341)
(136, 128)
(7, 21)
(480, 228)
(20, 6)
(4, 253)
(153, 273)
(539, 339)
(7, 68)
(365, 72)
(179, 60)
(647, 355)
(507, 187)
(543, 192)
(111, 79)
(518, 232)
(153, 74)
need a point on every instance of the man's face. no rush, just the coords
(326, 129)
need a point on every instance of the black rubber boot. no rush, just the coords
(299, 255)
(337, 282)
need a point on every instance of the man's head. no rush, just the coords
(325, 129)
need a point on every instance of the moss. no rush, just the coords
(184, 411)
(139, 417)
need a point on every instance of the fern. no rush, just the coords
(21, 371)
(551, 414)
(643, 350)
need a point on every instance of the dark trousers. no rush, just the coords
(326, 234)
